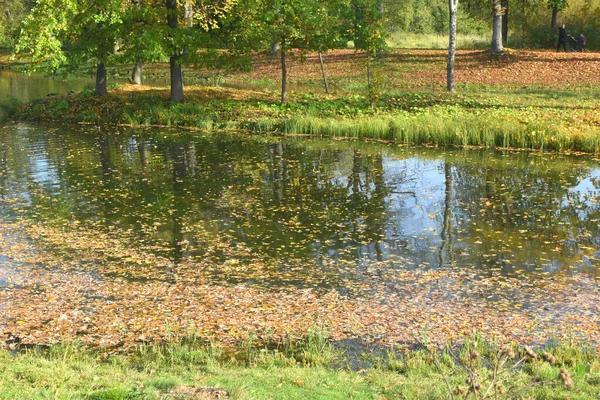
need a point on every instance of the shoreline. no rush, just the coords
(426, 119)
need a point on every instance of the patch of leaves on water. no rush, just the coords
(84, 292)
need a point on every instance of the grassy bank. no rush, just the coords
(420, 118)
(520, 100)
(303, 368)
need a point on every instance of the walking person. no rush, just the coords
(562, 38)
(581, 42)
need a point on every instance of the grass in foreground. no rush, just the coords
(305, 368)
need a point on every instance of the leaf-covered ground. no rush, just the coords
(77, 284)
(426, 69)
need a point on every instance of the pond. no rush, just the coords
(140, 209)
(29, 87)
(312, 200)
(25, 87)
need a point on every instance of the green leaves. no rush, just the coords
(87, 27)
(558, 5)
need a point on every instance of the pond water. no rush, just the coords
(29, 87)
(310, 206)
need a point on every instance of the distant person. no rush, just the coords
(562, 38)
(581, 42)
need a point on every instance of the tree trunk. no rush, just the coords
(101, 89)
(505, 21)
(275, 47)
(452, 5)
(176, 80)
(323, 73)
(117, 45)
(283, 74)
(554, 17)
(497, 33)
(136, 75)
(358, 20)
(174, 60)
(368, 71)
(189, 14)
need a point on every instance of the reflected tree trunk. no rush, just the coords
(105, 157)
(490, 190)
(354, 178)
(446, 247)
(106, 165)
(179, 199)
(354, 185)
(144, 153)
(278, 172)
(3, 169)
(380, 192)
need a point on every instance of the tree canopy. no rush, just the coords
(63, 35)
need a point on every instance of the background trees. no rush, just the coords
(63, 35)
(12, 12)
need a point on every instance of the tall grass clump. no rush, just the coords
(462, 130)
(314, 349)
(8, 108)
(480, 368)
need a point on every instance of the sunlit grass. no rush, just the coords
(494, 119)
(460, 130)
(258, 369)
(409, 40)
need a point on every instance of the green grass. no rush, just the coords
(300, 368)
(504, 119)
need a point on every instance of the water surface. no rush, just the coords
(29, 87)
(312, 207)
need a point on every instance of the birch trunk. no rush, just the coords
(497, 33)
(452, 5)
